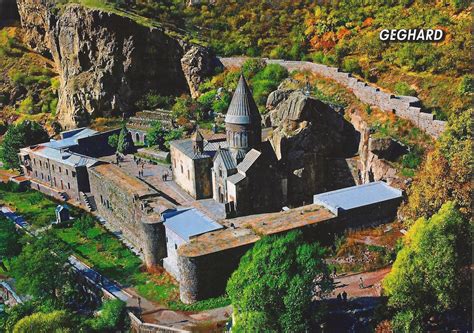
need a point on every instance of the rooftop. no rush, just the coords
(63, 156)
(189, 222)
(123, 180)
(248, 229)
(242, 108)
(357, 196)
(210, 148)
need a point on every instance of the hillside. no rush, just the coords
(343, 34)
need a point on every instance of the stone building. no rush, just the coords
(132, 207)
(241, 172)
(191, 162)
(56, 168)
(181, 226)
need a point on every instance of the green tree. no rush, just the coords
(445, 175)
(125, 142)
(431, 274)
(112, 317)
(271, 290)
(19, 136)
(54, 322)
(113, 140)
(40, 269)
(172, 135)
(9, 239)
(156, 135)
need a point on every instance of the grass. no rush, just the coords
(35, 207)
(101, 250)
(106, 254)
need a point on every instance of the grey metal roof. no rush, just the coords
(210, 148)
(70, 138)
(357, 196)
(242, 108)
(189, 222)
(235, 178)
(64, 157)
(227, 159)
(248, 160)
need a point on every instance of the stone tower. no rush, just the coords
(243, 123)
(198, 142)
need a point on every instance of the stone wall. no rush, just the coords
(205, 276)
(192, 175)
(122, 210)
(406, 107)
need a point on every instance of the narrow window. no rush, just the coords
(189, 176)
(73, 174)
(60, 170)
(67, 172)
(68, 186)
(52, 166)
(175, 246)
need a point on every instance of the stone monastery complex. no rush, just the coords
(225, 193)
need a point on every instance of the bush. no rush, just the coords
(352, 66)
(402, 88)
(112, 317)
(466, 86)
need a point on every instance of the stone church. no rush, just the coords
(239, 171)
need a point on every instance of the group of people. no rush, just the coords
(342, 297)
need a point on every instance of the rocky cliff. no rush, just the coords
(106, 61)
(308, 135)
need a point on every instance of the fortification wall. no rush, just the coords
(406, 107)
(123, 212)
(205, 276)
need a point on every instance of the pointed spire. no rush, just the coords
(242, 108)
(197, 136)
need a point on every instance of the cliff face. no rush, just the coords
(106, 61)
(308, 136)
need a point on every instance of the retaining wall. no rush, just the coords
(406, 107)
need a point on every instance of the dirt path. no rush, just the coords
(350, 284)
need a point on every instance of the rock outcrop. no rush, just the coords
(372, 165)
(106, 61)
(308, 134)
(197, 63)
(387, 148)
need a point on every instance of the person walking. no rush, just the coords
(344, 296)
(361, 283)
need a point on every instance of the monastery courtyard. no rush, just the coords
(153, 175)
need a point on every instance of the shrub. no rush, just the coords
(466, 86)
(402, 88)
(352, 66)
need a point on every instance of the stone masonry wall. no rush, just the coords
(206, 276)
(406, 107)
(120, 209)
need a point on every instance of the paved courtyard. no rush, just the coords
(153, 174)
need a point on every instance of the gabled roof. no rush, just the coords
(248, 160)
(210, 148)
(63, 156)
(357, 196)
(242, 108)
(227, 159)
(189, 222)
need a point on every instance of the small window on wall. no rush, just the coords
(175, 246)
(73, 174)
(182, 171)
(60, 170)
(52, 166)
(41, 164)
(67, 172)
(189, 175)
(68, 186)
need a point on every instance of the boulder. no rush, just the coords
(387, 148)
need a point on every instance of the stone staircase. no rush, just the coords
(88, 201)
